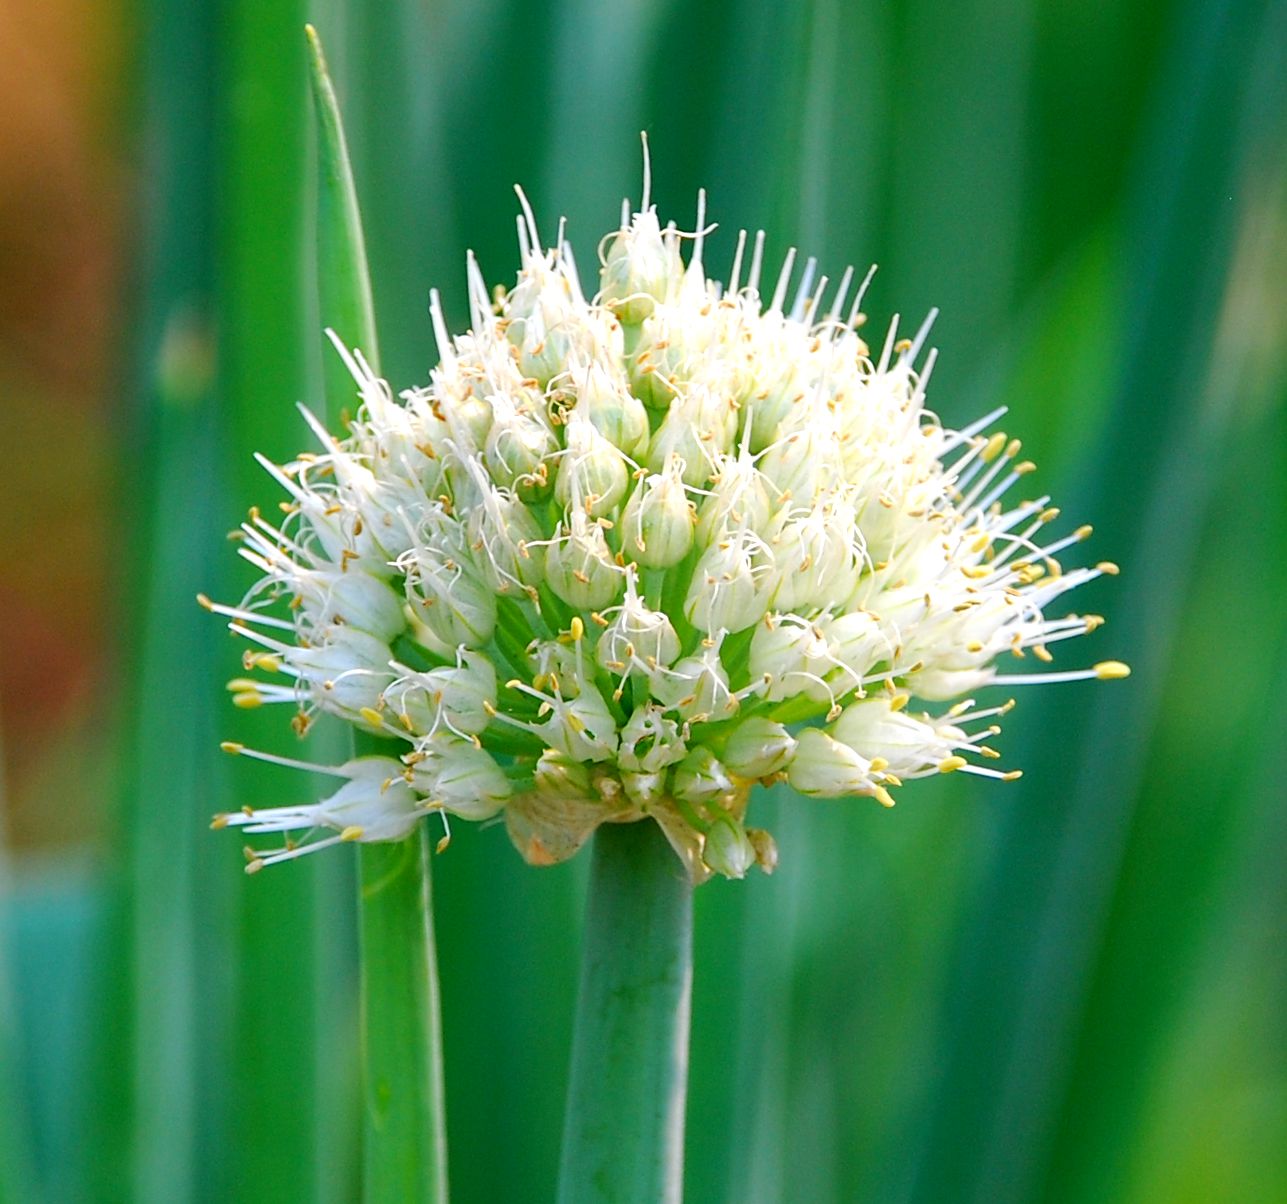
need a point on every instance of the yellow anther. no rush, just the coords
(1025, 467)
(1112, 670)
(1042, 653)
(231, 746)
(1048, 516)
(219, 821)
(253, 867)
(352, 832)
(372, 716)
(261, 660)
(576, 629)
(443, 842)
(974, 646)
(951, 764)
(1108, 567)
(204, 600)
(992, 448)
(878, 764)
(1084, 532)
(883, 797)
(247, 700)
(1012, 448)
(1013, 776)
(990, 753)
(1093, 621)
(899, 701)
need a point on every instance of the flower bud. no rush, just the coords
(724, 594)
(517, 448)
(802, 462)
(579, 567)
(856, 644)
(814, 562)
(824, 768)
(592, 473)
(372, 532)
(503, 529)
(355, 599)
(376, 801)
(909, 744)
(655, 365)
(934, 684)
(456, 606)
(583, 729)
(347, 673)
(542, 313)
(637, 639)
(758, 747)
(781, 381)
(641, 267)
(698, 429)
(616, 413)
(657, 523)
(738, 497)
(700, 777)
(696, 687)
(728, 849)
(650, 741)
(679, 438)
(559, 778)
(459, 777)
(793, 656)
(473, 414)
(455, 698)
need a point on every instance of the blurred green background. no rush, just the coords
(1071, 989)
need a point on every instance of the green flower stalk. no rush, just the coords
(628, 555)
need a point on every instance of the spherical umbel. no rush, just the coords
(626, 557)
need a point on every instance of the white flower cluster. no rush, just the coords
(628, 555)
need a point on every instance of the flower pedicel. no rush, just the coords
(626, 556)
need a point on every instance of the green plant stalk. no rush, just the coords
(405, 1157)
(290, 1109)
(623, 1136)
(405, 1145)
(343, 279)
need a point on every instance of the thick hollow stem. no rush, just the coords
(405, 1153)
(623, 1137)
